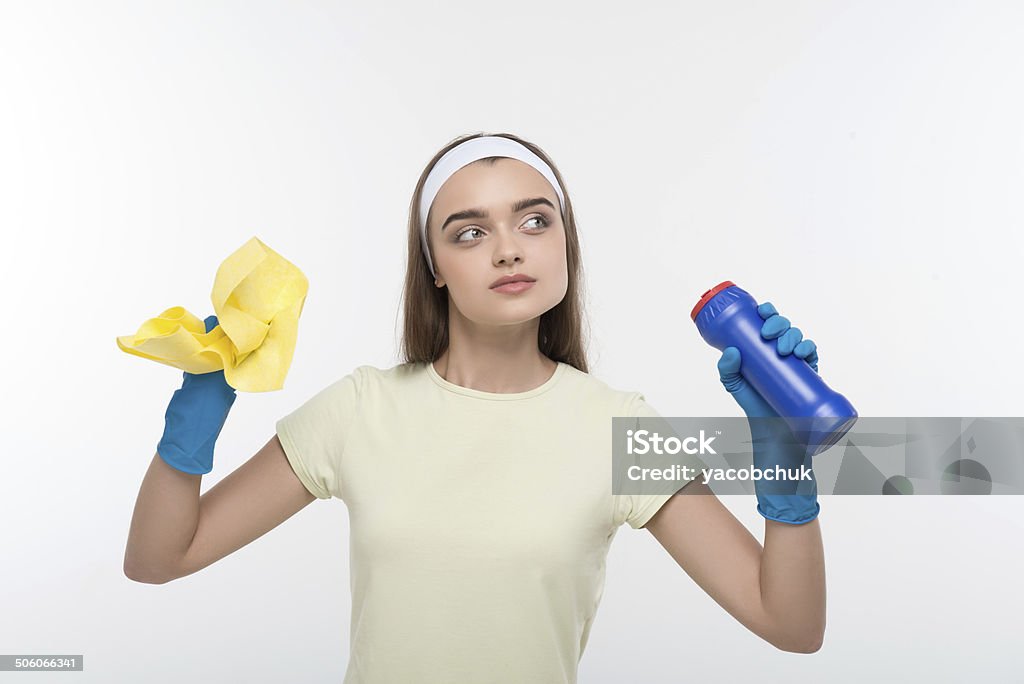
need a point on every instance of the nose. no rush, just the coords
(507, 251)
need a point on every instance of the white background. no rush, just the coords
(857, 164)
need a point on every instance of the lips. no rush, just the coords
(514, 288)
(516, 278)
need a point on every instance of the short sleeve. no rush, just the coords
(315, 434)
(638, 509)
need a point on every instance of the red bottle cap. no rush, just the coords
(706, 297)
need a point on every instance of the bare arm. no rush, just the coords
(175, 532)
(777, 592)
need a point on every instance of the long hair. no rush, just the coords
(425, 324)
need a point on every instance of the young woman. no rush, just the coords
(476, 472)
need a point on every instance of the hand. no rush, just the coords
(194, 418)
(790, 341)
(773, 442)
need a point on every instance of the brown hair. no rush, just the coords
(425, 325)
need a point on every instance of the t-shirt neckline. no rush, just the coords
(499, 396)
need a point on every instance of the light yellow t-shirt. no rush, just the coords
(480, 522)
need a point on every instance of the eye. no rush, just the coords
(468, 229)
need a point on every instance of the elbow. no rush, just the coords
(809, 647)
(142, 578)
(145, 576)
(802, 644)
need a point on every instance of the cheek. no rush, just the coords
(556, 266)
(463, 264)
(556, 252)
(554, 245)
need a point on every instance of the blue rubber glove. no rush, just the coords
(773, 441)
(194, 418)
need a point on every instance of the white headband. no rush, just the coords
(466, 153)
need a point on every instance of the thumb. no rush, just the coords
(752, 403)
(729, 369)
(211, 322)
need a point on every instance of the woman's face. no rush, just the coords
(472, 250)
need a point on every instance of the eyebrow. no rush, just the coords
(481, 214)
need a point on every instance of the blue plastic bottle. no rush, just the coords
(726, 316)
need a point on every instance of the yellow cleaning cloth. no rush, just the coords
(258, 297)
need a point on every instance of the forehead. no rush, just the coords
(481, 184)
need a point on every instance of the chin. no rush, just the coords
(514, 314)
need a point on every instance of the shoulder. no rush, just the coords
(590, 389)
(372, 379)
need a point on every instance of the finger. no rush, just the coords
(789, 340)
(767, 310)
(729, 368)
(804, 349)
(808, 351)
(774, 327)
(729, 363)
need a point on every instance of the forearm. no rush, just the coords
(792, 579)
(164, 522)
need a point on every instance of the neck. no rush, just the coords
(499, 359)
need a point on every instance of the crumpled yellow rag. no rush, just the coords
(258, 297)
